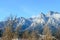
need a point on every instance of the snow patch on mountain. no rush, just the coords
(38, 21)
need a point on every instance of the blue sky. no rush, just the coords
(27, 8)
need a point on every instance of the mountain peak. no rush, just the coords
(50, 13)
(42, 15)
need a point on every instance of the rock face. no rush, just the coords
(52, 19)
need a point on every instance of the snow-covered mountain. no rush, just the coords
(52, 19)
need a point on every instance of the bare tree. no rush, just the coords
(26, 34)
(47, 33)
(7, 35)
(16, 33)
(33, 35)
(9, 31)
(58, 33)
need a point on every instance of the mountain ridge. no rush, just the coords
(52, 19)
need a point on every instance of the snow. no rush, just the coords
(56, 16)
(50, 18)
